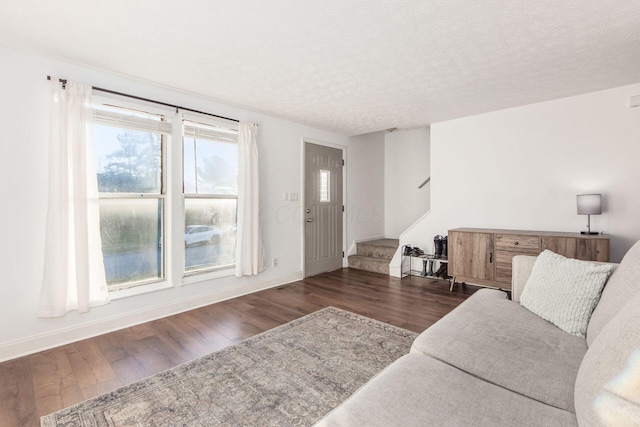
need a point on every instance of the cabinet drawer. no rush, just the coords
(518, 243)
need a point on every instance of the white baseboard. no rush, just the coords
(352, 250)
(395, 271)
(36, 343)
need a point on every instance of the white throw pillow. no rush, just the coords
(564, 291)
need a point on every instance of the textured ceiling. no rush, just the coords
(353, 66)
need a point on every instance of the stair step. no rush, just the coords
(374, 264)
(381, 248)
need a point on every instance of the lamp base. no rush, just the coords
(590, 233)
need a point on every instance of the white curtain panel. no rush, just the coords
(74, 276)
(249, 247)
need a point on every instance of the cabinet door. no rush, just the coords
(471, 255)
(509, 245)
(580, 248)
(503, 261)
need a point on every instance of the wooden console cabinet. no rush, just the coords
(483, 256)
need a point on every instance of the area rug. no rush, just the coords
(288, 376)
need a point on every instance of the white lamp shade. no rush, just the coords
(589, 204)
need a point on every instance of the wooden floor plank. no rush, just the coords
(89, 365)
(17, 397)
(203, 332)
(45, 382)
(54, 382)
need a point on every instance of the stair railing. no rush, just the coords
(425, 182)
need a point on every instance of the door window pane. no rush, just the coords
(210, 233)
(324, 185)
(132, 239)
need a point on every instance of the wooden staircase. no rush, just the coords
(374, 255)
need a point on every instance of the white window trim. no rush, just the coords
(140, 289)
(196, 276)
(206, 275)
(175, 274)
(110, 119)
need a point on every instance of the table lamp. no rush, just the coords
(589, 204)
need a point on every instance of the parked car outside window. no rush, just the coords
(202, 235)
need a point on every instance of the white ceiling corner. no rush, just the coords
(350, 67)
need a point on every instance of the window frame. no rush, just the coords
(119, 102)
(232, 129)
(172, 196)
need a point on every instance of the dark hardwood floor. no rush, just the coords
(48, 381)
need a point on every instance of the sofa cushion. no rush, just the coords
(608, 383)
(417, 390)
(623, 284)
(564, 291)
(503, 343)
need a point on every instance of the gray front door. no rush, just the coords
(323, 209)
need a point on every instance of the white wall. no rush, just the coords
(407, 165)
(522, 168)
(365, 181)
(23, 173)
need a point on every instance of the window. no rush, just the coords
(210, 196)
(324, 185)
(139, 208)
(129, 153)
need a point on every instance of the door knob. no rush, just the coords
(309, 220)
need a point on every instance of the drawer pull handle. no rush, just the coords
(516, 243)
(490, 257)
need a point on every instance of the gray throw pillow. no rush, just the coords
(564, 291)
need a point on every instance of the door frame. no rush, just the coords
(342, 148)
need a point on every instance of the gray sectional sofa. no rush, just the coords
(491, 362)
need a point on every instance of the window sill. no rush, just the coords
(210, 275)
(158, 286)
(139, 290)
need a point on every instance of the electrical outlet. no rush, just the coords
(275, 262)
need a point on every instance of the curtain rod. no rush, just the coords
(139, 98)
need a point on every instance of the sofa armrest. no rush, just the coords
(521, 270)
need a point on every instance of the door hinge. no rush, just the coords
(342, 254)
(342, 208)
(342, 162)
